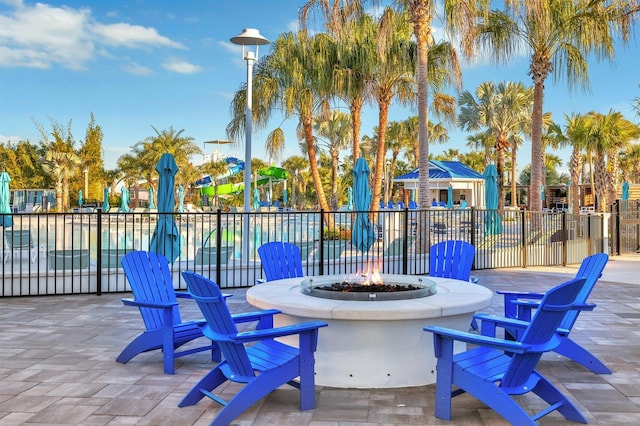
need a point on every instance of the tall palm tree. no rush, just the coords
(560, 35)
(460, 17)
(504, 111)
(608, 133)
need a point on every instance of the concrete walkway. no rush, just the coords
(57, 366)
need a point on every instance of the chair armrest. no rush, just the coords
(145, 304)
(250, 336)
(253, 316)
(476, 339)
(528, 294)
(502, 321)
(187, 295)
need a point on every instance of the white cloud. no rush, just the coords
(137, 69)
(43, 36)
(132, 36)
(181, 67)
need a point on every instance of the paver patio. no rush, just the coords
(57, 365)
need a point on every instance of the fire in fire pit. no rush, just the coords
(364, 287)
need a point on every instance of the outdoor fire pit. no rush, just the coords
(373, 343)
(364, 287)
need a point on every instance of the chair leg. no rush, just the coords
(206, 385)
(552, 395)
(574, 351)
(261, 386)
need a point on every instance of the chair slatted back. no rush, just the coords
(451, 259)
(591, 270)
(280, 260)
(150, 280)
(220, 324)
(539, 335)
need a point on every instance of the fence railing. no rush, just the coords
(80, 252)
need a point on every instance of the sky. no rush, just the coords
(144, 64)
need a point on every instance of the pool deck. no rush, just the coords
(57, 366)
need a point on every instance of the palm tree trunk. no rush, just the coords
(315, 174)
(383, 113)
(514, 188)
(356, 114)
(574, 192)
(535, 202)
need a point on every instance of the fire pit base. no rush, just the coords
(374, 344)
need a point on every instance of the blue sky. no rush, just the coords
(161, 63)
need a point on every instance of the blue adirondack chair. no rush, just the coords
(451, 259)
(280, 260)
(276, 362)
(150, 280)
(498, 368)
(519, 305)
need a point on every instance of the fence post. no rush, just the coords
(405, 242)
(99, 254)
(589, 251)
(615, 216)
(219, 245)
(565, 237)
(523, 237)
(321, 247)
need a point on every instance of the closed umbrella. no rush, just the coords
(80, 200)
(449, 197)
(492, 221)
(285, 195)
(625, 191)
(105, 202)
(349, 198)
(180, 199)
(124, 200)
(152, 203)
(256, 198)
(166, 237)
(5, 208)
(362, 233)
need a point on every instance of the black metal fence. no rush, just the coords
(625, 226)
(80, 252)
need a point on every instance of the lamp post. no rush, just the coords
(248, 37)
(86, 183)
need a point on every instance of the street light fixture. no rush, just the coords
(247, 38)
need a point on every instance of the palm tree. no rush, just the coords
(335, 134)
(608, 133)
(504, 111)
(630, 163)
(560, 36)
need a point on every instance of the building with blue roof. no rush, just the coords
(467, 184)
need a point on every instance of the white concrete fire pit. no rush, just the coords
(373, 343)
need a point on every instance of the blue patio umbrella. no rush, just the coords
(152, 203)
(492, 221)
(166, 237)
(180, 199)
(105, 202)
(625, 191)
(5, 208)
(450, 197)
(80, 200)
(349, 198)
(124, 200)
(285, 195)
(362, 233)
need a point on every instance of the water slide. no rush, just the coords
(267, 175)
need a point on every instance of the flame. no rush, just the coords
(371, 275)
